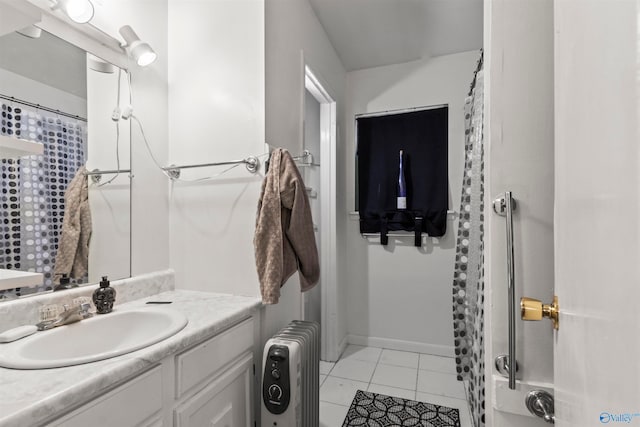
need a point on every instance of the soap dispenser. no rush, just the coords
(104, 297)
(65, 283)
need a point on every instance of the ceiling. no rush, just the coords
(372, 33)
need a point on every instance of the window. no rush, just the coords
(422, 134)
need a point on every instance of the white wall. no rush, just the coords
(519, 145)
(20, 87)
(216, 110)
(149, 206)
(400, 296)
(294, 37)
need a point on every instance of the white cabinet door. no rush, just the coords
(196, 366)
(131, 404)
(226, 402)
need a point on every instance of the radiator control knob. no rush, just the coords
(275, 392)
(275, 374)
(278, 355)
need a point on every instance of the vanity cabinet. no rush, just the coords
(116, 409)
(225, 402)
(209, 384)
(214, 380)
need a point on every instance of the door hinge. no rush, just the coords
(254, 369)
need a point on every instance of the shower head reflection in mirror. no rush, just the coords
(48, 72)
(116, 119)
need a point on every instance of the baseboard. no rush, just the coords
(393, 344)
(343, 345)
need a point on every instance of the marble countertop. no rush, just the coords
(31, 397)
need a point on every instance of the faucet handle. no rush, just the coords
(85, 308)
(79, 301)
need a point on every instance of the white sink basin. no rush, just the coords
(97, 338)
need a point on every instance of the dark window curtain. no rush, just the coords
(423, 135)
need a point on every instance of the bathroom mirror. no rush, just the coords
(54, 93)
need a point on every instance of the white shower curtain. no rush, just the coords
(33, 190)
(468, 282)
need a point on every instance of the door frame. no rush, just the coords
(328, 209)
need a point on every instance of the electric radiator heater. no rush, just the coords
(291, 377)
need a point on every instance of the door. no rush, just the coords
(597, 212)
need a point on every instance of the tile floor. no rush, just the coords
(422, 377)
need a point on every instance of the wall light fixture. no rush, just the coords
(97, 64)
(31, 31)
(80, 11)
(140, 51)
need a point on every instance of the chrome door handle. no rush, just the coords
(540, 403)
(504, 205)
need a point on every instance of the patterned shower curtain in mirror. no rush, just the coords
(32, 190)
(468, 281)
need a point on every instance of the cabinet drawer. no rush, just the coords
(115, 408)
(196, 365)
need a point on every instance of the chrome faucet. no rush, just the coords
(69, 315)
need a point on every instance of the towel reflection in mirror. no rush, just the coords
(72, 257)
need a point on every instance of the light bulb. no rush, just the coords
(80, 11)
(140, 51)
(146, 58)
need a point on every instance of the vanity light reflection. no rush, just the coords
(80, 11)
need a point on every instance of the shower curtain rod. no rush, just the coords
(475, 73)
(41, 107)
